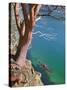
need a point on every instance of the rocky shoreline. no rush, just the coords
(25, 76)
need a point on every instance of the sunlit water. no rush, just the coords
(48, 48)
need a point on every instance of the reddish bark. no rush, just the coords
(25, 29)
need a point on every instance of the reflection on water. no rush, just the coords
(48, 47)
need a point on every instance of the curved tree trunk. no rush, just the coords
(25, 30)
(22, 49)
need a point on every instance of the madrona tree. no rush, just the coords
(25, 28)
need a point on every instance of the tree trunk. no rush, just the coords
(22, 48)
(25, 30)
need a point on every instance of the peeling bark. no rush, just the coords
(25, 29)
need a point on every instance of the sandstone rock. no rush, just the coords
(25, 76)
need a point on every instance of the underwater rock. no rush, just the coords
(45, 67)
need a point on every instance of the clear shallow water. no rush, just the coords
(48, 48)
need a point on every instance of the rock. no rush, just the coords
(25, 76)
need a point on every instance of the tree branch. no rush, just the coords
(20, 26)
(26, 19)
(34, 9)
(37, 8)
(16, 11)
(22, 29)
(32, 15)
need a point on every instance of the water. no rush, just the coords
(48, 47)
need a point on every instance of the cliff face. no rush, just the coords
(25, 76)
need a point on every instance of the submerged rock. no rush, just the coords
(25, 76)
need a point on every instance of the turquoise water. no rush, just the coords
(48, 47)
